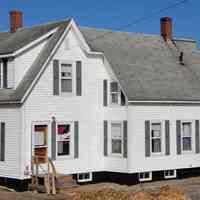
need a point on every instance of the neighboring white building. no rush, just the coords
(116, 104)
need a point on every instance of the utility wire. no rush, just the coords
(145, 18)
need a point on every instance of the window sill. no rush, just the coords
(116, 155)
(59, 158)
(156, 154)
(66, 94)
(114, 105)
(186, 152)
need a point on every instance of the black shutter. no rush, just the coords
(53, 140)
(167, 138)
(178, 136)
(2, 135)
(56, 80)
(197, 148)
(78, 78)
(123, 99)
(0, 73)
(147, 138)
(105, 128)
(105, 92)
(5, 72)
(125, 139)
(76, 139)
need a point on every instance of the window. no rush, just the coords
(114, 93)
(84, 177)
(40, 136)
(116, 138)
(66, 78)
(170, 174)
(64, 139)
(3, 73)
(145, 176)
(156, 137)
(187, 136)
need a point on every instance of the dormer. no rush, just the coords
(6, 73)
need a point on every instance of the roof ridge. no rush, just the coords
(46, 24)
(119, 31)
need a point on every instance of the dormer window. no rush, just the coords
(114, 93)
(3, 73)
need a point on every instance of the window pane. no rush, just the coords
(116, 130)
(155, 133)
(66, 70)
(187, 129)
(114, 87)
(156, 145)
(156, 130)
(66, 85)
(116, 146)
(63, 129)
(114, 98)
(171, 172)
(146, 175)
(63, 148)
(187, 143)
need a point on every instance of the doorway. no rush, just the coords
(40, 142)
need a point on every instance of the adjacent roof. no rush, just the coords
(147, 67)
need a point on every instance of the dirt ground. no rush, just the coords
(191, 187)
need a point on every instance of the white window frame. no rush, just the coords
(80, 180)
(110, 139)
(119, 94)
(71, 153)
(166, 176)
(192, 136)
(72, 78)
(161, 137)
(144, 179)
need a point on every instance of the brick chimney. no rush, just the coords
(16, 20)
(166, 27)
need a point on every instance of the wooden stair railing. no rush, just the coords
(49, 175)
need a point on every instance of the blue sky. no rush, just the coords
(107, 14)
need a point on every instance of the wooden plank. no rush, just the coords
(47, 184)
(37, 172)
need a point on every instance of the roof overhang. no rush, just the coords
(164, 102)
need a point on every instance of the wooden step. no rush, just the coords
(64, 182)
(41, 189)
(64, 178)
(60, 184)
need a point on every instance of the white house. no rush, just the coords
(103, 105)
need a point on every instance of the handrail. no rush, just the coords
(49, 165)
(35, 160)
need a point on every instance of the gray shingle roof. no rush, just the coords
(24, 36)
(146, 66)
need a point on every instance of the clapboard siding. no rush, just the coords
(137, 115)
(24, 61)
(87, 109)
(11, 166)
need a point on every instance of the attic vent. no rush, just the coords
(181, 58)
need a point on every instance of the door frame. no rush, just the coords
(33, 124)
